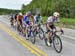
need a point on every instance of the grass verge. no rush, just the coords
(65, 22)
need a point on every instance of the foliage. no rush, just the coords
(65, 7)
(65, 21)
(8, 11)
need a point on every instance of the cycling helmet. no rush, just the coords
(28, 13)
(20, 13)
(56, 14)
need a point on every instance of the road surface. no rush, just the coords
(11, 47)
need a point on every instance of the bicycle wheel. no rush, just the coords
(24, 32)
(20, 29)
(57, 43)
(41, 33)
(35, 33)
(32, 37)
(46, 41)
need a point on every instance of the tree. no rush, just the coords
(65, 7)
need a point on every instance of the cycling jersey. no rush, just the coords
(51, 20)
(26, 20)
(37, 19)
(20, 17)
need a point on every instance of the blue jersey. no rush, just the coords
(26, 20)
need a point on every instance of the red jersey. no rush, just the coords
(20, 17)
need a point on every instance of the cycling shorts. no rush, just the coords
(51, 26)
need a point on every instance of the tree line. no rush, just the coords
(65, 7)
(8, 11)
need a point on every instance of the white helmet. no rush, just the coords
(56, 14)
(20, 13)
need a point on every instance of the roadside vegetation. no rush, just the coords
(65, 7)
(68, 22)
(8, 11)
(65, 22)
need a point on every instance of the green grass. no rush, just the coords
(45, 19)
(65, 22)
(68, 21)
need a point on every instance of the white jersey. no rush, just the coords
(51, 20)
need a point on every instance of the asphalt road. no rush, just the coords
(10, 47)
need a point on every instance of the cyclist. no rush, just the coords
(15, 19)
(38, 20)
(28, 21)
(19, 21)
(50, 25)
(12, 19)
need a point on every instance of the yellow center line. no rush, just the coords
(19, 40)
(25, 43)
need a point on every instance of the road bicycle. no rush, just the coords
(39, 31)
(56, 40)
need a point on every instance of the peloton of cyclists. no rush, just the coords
(28, 20)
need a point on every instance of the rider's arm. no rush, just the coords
(59, 25)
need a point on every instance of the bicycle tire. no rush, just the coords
(46, 41)
(32, 38)
(41, 31)
(60, 49)
(35, 33)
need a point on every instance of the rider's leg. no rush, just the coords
(48, 32)
(48, 38)
(26, 30)
(18, 27)
(30, 29)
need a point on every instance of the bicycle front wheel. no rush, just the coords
(32, 37)
(41, 34)
(57, 43)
